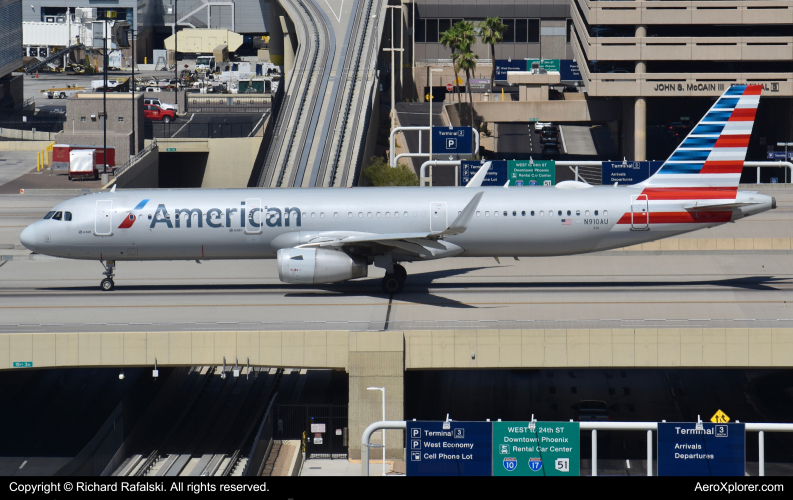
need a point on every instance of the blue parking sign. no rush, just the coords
(452, 140)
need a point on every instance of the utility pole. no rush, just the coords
(134, 143)
(104, 97)
(175, 52)
(393, 68)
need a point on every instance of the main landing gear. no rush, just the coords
(393, 282)
(107, 284)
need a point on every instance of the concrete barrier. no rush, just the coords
(21, 145)
(27, 135)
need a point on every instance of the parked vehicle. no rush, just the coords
(156, 113)
(549, 134)
(157, 102)
(61, 93)
(82, 164)
(61, 156)
(555, 95)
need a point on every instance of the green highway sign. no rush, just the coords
(23, 364)
(534, 119)
(546, 64)
(536, 449)
(170, 150)
(531, 173)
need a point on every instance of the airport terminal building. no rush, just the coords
(649, 63)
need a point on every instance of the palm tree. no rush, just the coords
(451, 38)
(455, 38)
(492, 32)
(466, 60)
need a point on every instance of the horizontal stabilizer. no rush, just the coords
(719, 206)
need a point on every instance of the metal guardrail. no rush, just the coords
(179, 130)
(258, 453)
(143, 152)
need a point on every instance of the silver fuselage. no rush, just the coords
(256, 223)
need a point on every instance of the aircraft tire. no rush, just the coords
(107, 285)
(392, 283)
(401, 272)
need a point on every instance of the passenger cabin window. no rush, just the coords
(560, 213)
(596, 213)
(495, 214)
(487, 213)
(406, 214)
(505, 213)
(605, 213)
(541, 213)
(349, 214)
(586, 213)
(532, 213)
(396, 214)
(335, 214)
(388, 214)
(369, 214)
(578, 212)
(568, 213)
(378, 214)
(514, 213)
(478, 213)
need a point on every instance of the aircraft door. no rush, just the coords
(104, 218)
(640, 212)
(254, 220)
(438, 221)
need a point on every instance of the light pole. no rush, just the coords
(393, 68)
(383, 390)
(104, 98)
(786, 144)
(134, 143)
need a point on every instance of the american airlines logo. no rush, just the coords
(129, 219)
(217, 218)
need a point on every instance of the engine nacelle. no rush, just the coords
(319, 265)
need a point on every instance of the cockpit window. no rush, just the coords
(67, 216)
(49, 215)
(57, 216)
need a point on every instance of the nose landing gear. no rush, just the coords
(107, 284)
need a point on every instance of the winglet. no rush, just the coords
(113, 189)
(476, 180)
(460, 224)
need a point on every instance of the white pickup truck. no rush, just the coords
(163, 105)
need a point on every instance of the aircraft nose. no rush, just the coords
(28, 237)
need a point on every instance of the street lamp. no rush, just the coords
(383, 390)
(786, 144)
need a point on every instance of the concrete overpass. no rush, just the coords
(380, 358)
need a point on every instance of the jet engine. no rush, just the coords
(319, 265)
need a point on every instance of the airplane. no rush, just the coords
(329, 235)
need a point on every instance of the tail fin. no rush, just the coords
(712, 155)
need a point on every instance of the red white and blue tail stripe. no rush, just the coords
(708, 163)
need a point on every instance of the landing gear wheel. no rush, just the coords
(401, 272)
(107, 285)
(392, 283)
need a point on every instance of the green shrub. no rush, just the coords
(380, 173)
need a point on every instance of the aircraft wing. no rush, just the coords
(417, 243)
